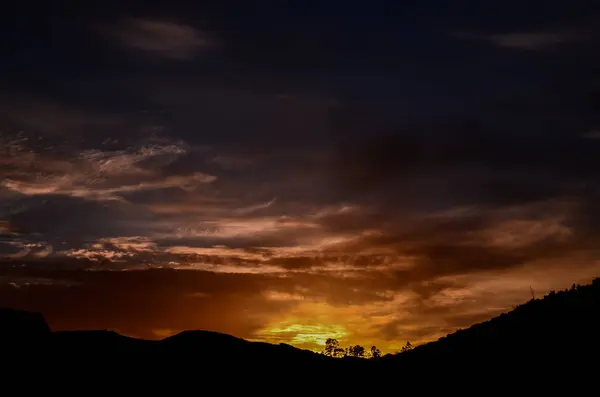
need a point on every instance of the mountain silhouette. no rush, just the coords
(558, 334)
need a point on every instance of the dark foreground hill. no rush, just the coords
(564, 324)
(554, 336)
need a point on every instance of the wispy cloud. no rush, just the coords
(530, 41)
(97, 174)
(24, 282)
(163, 38)
(22, 248)
(253, 208)
(592, 134)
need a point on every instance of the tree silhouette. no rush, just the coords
(338, 352)
(356, 351)
(406, 347)
(331, 345)
(375, 352)
(333, 349)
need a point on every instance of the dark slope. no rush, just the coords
(206, 345)
(99, 342)
(214, 344)
(560, 330)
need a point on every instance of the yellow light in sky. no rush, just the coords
(310, 336)
(309, 324)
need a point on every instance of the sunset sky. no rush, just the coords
(371, 171)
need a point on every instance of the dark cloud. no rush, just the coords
(473, 150)
(75, 218)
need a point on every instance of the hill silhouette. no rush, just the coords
(560, 332)
(21, 329)
(556, 335)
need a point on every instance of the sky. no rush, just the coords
(376, 172)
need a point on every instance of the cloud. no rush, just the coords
(60, 218)
(4, 227)
(140, 161)
(468, 161)
(18, 248)
(96, 174)
(255, 208)
(497, 188)
(25, 282)
(468, 240)
(163, 38)
(519, 233)
(592, 135)
(530, 41)
(494, 213)
(533, 40)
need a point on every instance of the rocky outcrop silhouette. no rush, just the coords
(21, 329)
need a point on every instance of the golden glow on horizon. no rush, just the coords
(312, 336)
(310, 323)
